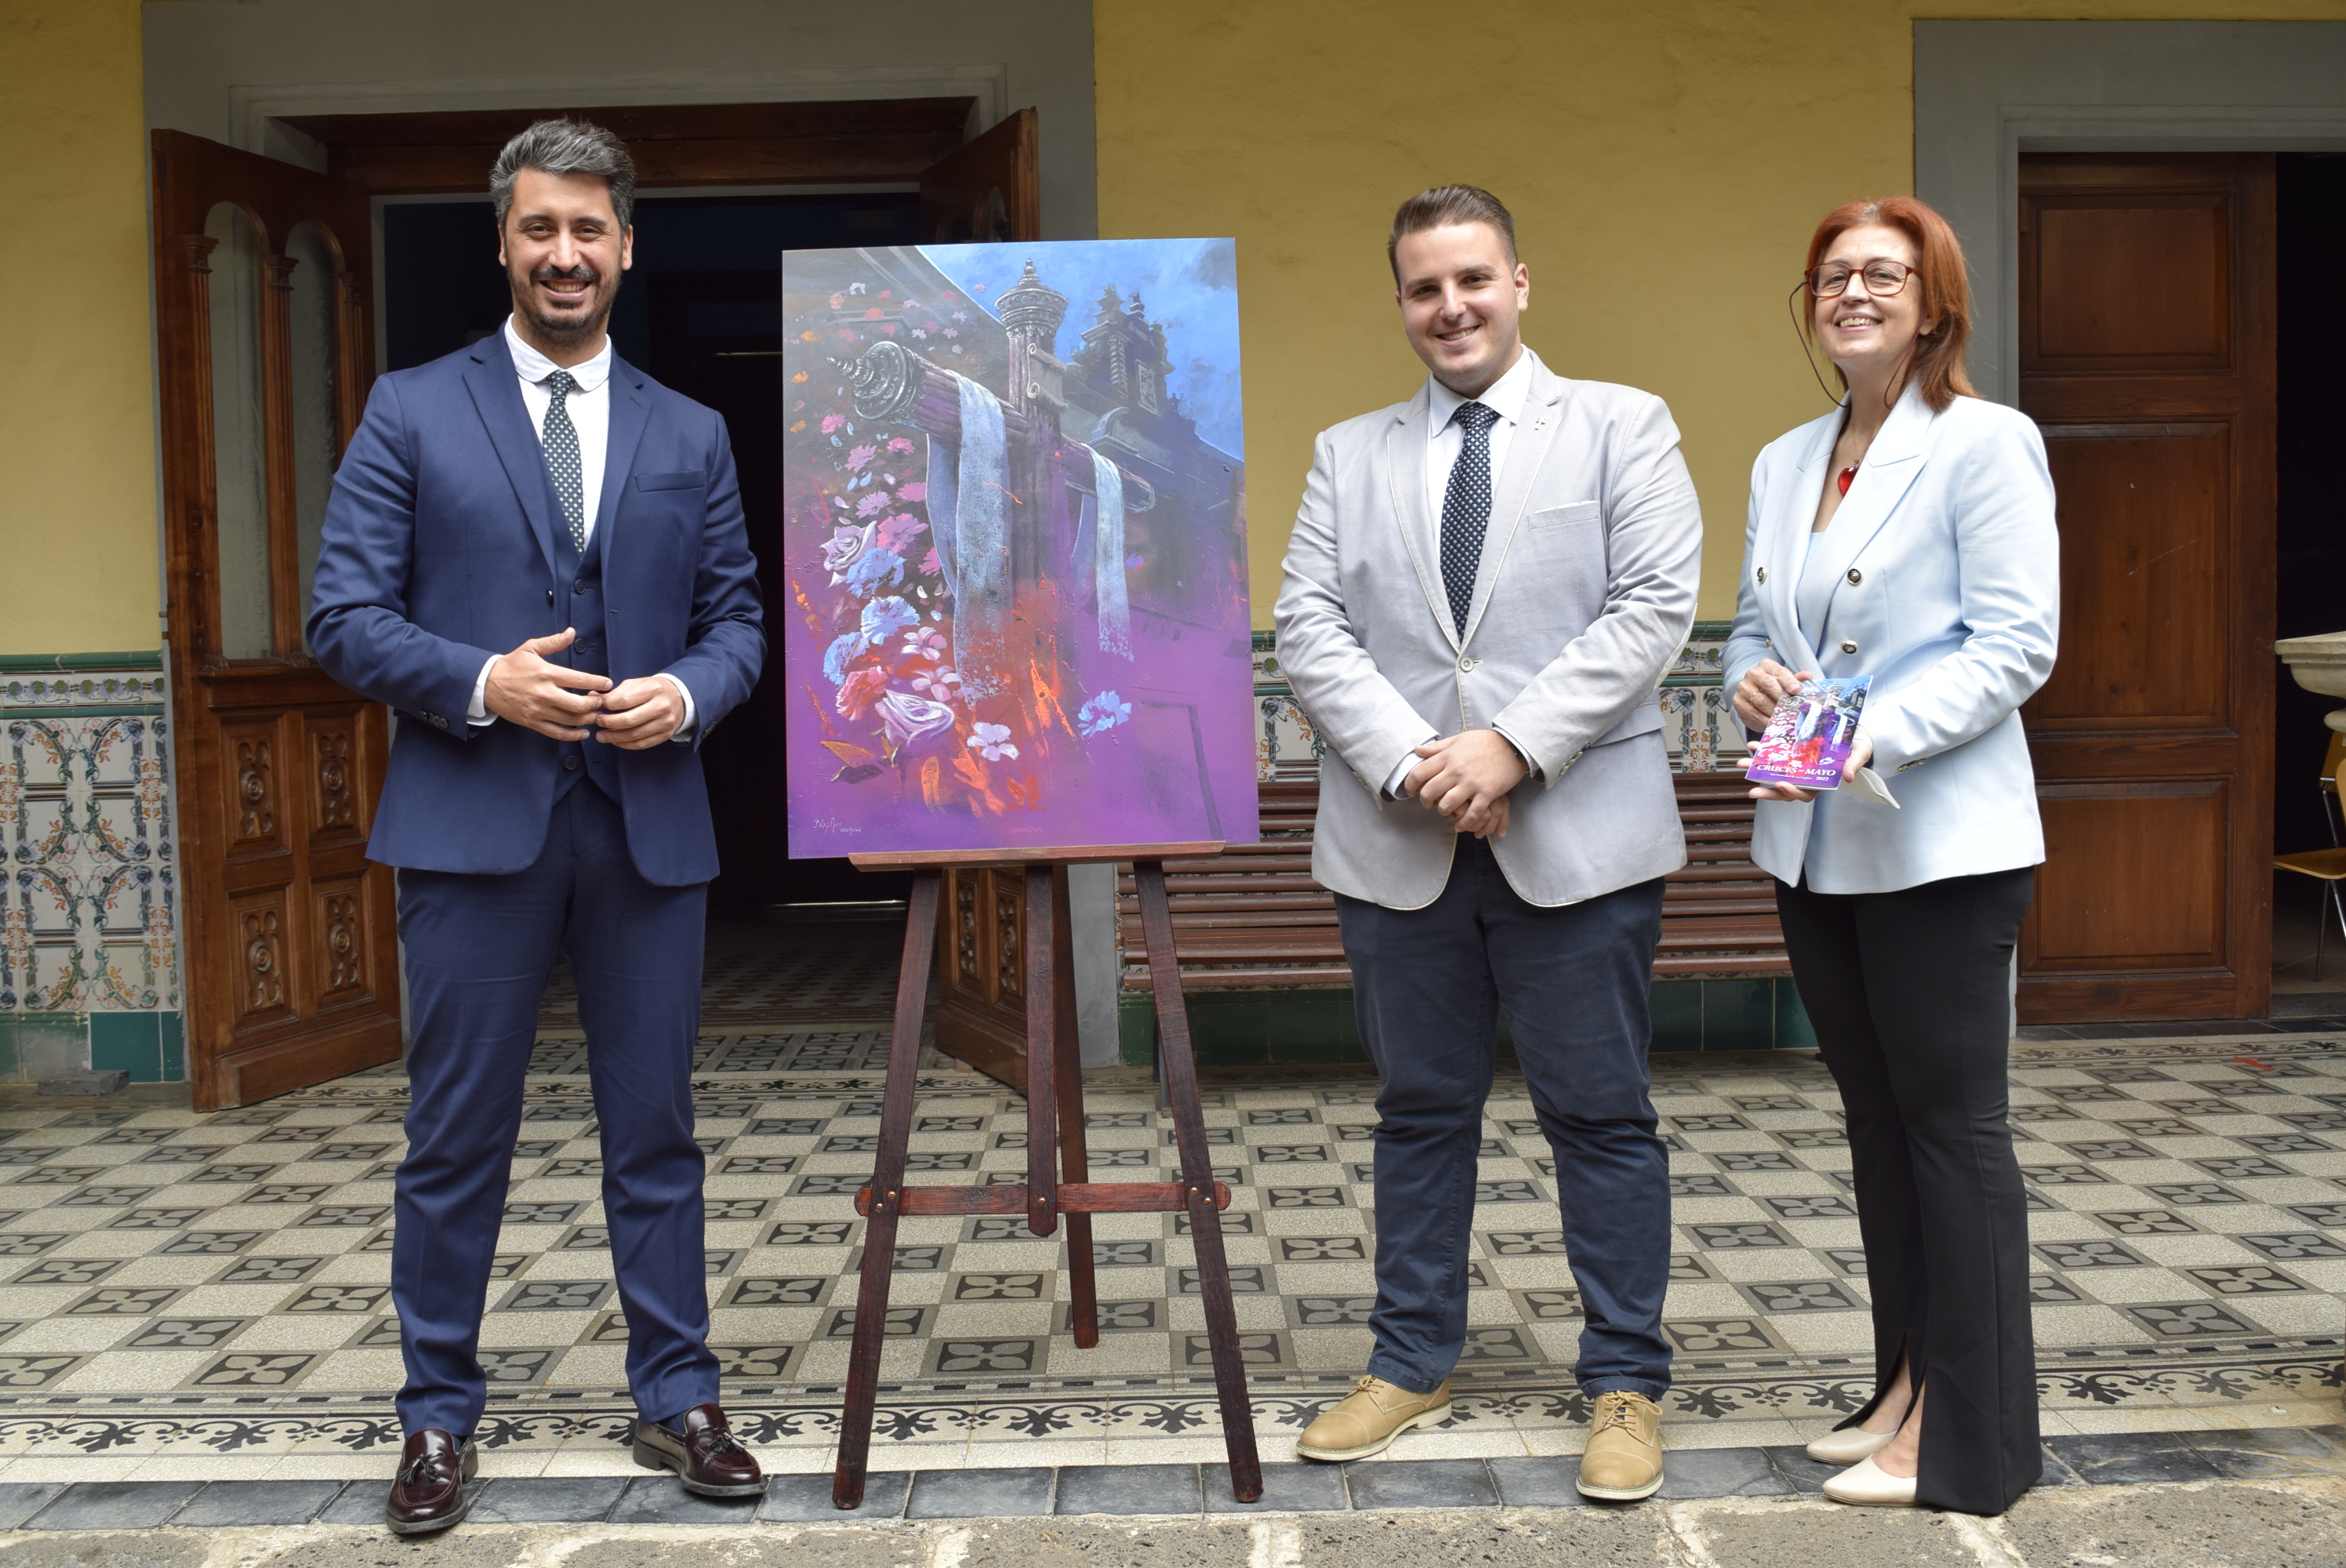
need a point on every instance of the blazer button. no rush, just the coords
(1468, 663)
(1849, 648)
(570, 765)
(580, 587)
(1855, 577)
(1763, 573)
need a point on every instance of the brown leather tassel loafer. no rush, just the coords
(428, 1493)
(705, 1455)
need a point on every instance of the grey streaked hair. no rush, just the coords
(567, 147)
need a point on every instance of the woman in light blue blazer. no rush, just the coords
(1909, 535)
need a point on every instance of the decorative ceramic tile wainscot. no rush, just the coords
(1697, 722)
(89, 965)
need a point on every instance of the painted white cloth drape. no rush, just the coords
(1107, 559)
(969, 514)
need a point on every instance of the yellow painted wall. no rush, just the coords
(1666, 161)
(77, 538)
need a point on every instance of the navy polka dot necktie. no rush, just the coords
(562, 457)
(1465, 509)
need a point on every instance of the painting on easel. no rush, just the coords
(1015, 534)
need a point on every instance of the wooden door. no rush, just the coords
(266, 336)
(989, 190)
(2146, 357)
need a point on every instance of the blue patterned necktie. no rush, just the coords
(1466, 509)
(562, 457)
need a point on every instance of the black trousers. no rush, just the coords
(1909, 991)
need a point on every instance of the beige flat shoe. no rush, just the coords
(1868, 1485)
(1849, 1446)
(1367, 1420)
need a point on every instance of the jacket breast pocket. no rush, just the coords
(687, 479)
(1565, 515)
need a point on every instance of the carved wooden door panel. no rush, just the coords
(2147, 358)
(988, 190)
(265, 329)
(981, 1014)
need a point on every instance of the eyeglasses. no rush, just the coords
(1882, 277)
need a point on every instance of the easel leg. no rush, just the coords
(1044, 1047)
(1197, 1174)
(1075, 1163)
(887, 1190)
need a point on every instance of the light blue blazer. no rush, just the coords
(1947, 591)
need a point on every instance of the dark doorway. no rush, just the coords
(2311, 555)
(700, 311)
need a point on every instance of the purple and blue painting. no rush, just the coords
(1015, 534)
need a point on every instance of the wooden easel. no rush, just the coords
(1058, 1175)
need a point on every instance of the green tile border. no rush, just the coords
(68, 664)
(1239, 1028)
(148, 1045)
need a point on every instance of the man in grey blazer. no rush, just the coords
(1484, 588)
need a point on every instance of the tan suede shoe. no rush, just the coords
(1623, 1461)
(1364, 1421)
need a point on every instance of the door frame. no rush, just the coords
(1986, 92)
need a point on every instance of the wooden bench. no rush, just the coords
(1253, 919)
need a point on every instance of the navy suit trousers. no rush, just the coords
(1427, 985)
(479, 949)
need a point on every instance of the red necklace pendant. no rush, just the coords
(1847, 474)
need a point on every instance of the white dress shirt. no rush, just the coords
(1444, 440)
(589, 407)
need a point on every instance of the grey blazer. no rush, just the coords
(1585, 595)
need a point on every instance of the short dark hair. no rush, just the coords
(1443, 205)
(568, 147)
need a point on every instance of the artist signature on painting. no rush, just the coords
(833, 825)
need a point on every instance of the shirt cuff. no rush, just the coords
(684, 731)
(477, 713)
(1401, 771)
(1522, 754)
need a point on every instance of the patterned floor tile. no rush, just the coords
(229, 1307)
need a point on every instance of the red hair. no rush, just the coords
(1939, 272)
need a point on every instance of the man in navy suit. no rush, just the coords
(534, 554)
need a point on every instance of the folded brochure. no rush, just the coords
(1808, 739)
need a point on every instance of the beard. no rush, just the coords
(578, 327)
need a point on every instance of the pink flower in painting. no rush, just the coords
(845, 547)
(912, 719)
(895, 530)
(940, 685)
(862, 688)
(914, 490)
(950, 332)
(874, 313)
(873, 504)
(859, 456)
(925, 642)
(992, 742)
(929, 565)
(900, 444)
(831, 421)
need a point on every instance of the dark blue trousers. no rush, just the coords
(478, 951)
(1427, 985)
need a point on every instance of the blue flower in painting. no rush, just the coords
(883, 618)
(1102, 714)
(835, 658)
(873, 570)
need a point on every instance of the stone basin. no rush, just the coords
(2319, 665)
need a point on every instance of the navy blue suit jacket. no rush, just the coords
(438, 553)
